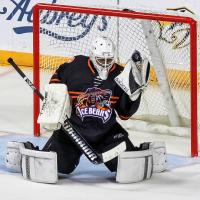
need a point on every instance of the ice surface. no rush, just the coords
(87, 182)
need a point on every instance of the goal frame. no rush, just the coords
(118, 13)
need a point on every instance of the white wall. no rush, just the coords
(16, 16)
(160, 4)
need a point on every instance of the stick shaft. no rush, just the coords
(26, 79)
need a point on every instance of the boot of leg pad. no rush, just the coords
(13, 156)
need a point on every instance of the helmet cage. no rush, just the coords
(103, 56)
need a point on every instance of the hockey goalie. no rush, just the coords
(90, 92)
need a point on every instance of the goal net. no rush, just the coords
(169, 103)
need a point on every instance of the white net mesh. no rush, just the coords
(65, 34)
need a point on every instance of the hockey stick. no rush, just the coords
(67, 127)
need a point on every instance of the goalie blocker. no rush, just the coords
(56, 107)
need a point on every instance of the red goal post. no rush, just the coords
(191, 23)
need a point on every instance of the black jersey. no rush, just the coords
(95, 102)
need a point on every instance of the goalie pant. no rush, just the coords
(95, 103)
(68, 154)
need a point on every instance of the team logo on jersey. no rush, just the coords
(94, 103)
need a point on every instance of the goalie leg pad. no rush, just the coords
(39, 166)
(13, 156)
(134, 166)
(159, 156)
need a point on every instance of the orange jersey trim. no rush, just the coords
(55, 80)
(113, 68)
(113, 102)
(114, 97)
(74, 97)
(123, 117)
(89, 65)
(73, 92)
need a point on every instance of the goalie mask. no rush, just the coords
(103, 55)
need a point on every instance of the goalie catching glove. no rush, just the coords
(134, 78)
(56, 106)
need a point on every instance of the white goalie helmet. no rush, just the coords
(103, 55)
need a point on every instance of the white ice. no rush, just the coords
(89, 182)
